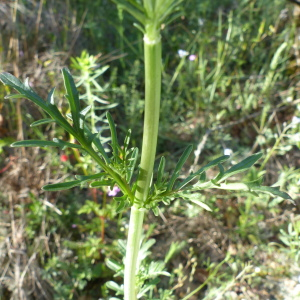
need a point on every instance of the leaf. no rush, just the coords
(72, 96)
(96, 184)
(113, 265)
(96, 141)
(201, 204)
(15, 96)
(250, 187)
(64, 144)
(113, 132)
(194, 197)
(273, 191)
(89, 177)
(240, 167)
(131, 165)
(161, 169)
(24, 89)
(50, 97)
(41, 122)
(115, 287)
(179, 165)
(201, 171)
(61, 186)
(120, 207)
(35, 143)
(135, 11)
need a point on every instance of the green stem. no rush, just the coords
(132, 251)
(152, 54)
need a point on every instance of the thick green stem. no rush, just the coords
(152, 48)
(132, 251)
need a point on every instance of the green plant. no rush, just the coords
(149, 189)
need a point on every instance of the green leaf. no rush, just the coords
(161, 169)
(41, 122)
(120, 207)
(113, 132)
(251, 187)
(113, 265)
(133, 10)
(96, 184)
(61, 186)
(35, 143)
(132, 164)
(239, 167)
(26, 91)
(201, 171)
(73, 98)
(273, 191)
(115, 287)
(15, 96)
(179, 165)
(89, 177)
(64, 144)
(23, 89)
(50, 97)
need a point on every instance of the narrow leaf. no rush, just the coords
(15, 96)
(61, 186)
(72, 96)
(179, 165)
(96, 184)
(50, 97)
(241, 166)
(23, 89)
(161, 169)
(113, 131)
(64, 144)
(41, 122)
(132, 164)
(35, 143)
(213, 163)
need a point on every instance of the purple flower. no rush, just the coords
(74, 226)
(192, 57)
(113, 192)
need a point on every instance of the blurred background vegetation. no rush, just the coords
(230, 84)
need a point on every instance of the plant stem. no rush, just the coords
(132, 251)
(152, 54)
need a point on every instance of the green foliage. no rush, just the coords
(149, 271)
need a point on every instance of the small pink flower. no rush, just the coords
(64, 158)
(192, 57)
(113, 192)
